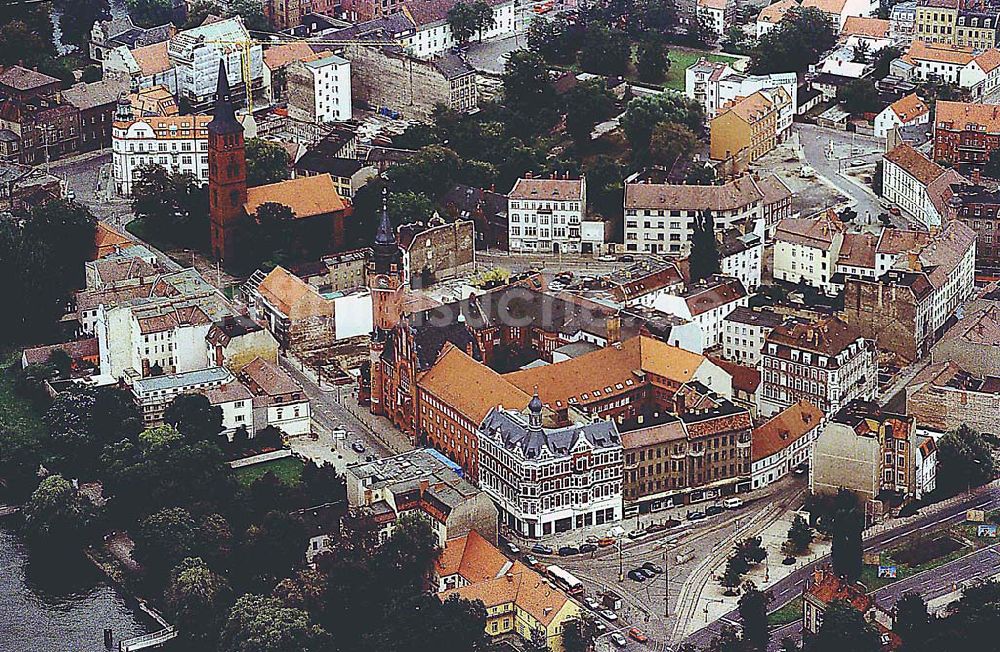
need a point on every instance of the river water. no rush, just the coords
(58, 605)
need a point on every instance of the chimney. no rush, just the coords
(527, 175)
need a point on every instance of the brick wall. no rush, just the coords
(886, 314)
(947, 408)
(402, 83)
(446, 251)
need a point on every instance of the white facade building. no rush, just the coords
(784, 442)
(713, 12)
(744, 332)
(740, 256)
(714, 84)
(807, 250)
(320, 91)
(236, 403)
(707, 304)
(546, 215)
(908, 110)
(906, 176)
(152, 395)
(433, 34)
(278, 401)
(175, 143)
(545, 481)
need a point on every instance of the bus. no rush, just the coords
(566, 580)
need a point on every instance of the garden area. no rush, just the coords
(286, 469)
(790, 613)
(680, 60)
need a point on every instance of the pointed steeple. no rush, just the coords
(386, 252)
(385, 234)
(224, 115)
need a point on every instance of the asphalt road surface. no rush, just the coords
(959, 570)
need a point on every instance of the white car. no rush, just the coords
(732, 503)
(514, 550)
(618, 639)
(592, 604)
(609, 615)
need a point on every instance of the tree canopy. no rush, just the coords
(267, 162)
(795, 44)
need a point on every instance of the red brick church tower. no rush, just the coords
(387, 284)
(227, 172)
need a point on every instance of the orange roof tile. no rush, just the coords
(864, 26)
(909, 108)
(914, 163)
(962, 114)
(152, 59)
(278, 56)
(521, 586)
(550, 189)
(306, 196)
(108, 240)
(989, 60)
(826, 6)
(473, 558)
(292, 296)
(940, 53)
(750, 108)
(827, 587)
(719, 5)
(774, 13)
(784, 429)
(469, 387)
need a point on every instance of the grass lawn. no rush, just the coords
(787, 614)
(680, 60)
(15, 413)
(288, 470)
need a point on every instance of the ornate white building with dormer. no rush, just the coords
(548, 480)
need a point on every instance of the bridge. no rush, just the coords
(148, 640)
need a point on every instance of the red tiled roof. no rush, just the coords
(784, 429)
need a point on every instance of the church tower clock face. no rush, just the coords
(381, 281)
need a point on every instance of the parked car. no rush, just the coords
(566, 551)
(592, 539)
(655, 527)
(588, 547)
(635, 534)
(648, 573)
(600, 627)
(358, 447)
(530, 561)
(541, 549)
(650, 566)
(636, 576)
(608, 615)
(637, 635)
(514, 550)
(604, 542)
(732, 503)
(695, 516)
(712, 510)
(618, 639)
(592, 603)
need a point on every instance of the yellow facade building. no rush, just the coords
(744, 131)
(976, 29)
(936, 20)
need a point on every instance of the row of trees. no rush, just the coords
(468, 18)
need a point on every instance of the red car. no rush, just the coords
(636, 635)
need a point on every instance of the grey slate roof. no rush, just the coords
(515, 433)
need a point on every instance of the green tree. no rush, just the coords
(844, 628)
(174, 205)
(965, 460)
(194, 417)
(859, 96)
(198, 11)
(252, 13)
(483, 17)
(846, 553)
(670, 144)
(409, 206)
(267, 162)
(645, 112)
(608, 51)
(273, 549)
(912, 622)
(752, 550)
(701, 175)
(77, 17)
(150, 13)
(861, 52)
(795, 44)
(65, 230)
(81, 422)
(163, 539)
(20, 458)
(462, 21)
(653, 62)
(704, 259)
(800, 536)
(57, 515)
(197, 600)
(586, 105)
(260, 624)
(433, 169)
(91, 73)
(753, 613)
(20, 43)
(528, 96)
(578, 634)
(736, 566)
(557, 40)
(883, 59)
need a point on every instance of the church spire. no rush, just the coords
(224, 115)
(386, 252)
(385, 235)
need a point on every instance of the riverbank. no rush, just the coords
(60, 604)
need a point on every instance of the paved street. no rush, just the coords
(88, 177)
(335, 408)
(848, 147)
(790, 587)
